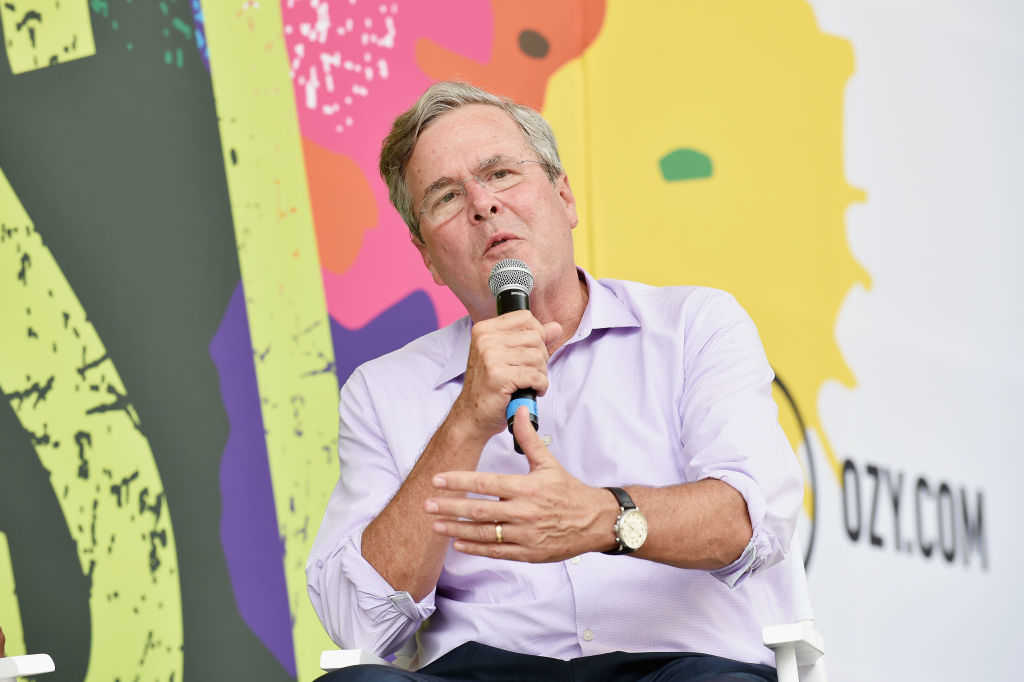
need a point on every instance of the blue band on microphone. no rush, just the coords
(513, 405)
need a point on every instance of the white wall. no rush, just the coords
(933, 135)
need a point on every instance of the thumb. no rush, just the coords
(552, 334)
(533, 447)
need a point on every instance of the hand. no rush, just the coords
(545, 515)
(506, 353)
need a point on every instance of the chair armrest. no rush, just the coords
(799, 651)
(803, 636)
(21, 666)
(342, 658)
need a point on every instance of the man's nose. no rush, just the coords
(483, 203)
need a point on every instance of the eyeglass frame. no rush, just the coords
(489, 165)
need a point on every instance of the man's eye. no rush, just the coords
(447, 197)
(500, 174)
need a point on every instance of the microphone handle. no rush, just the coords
(509, 301)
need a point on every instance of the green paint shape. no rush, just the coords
(685, 164)
(163, 8)
(167, 57)
(181, 60)
(185, 29)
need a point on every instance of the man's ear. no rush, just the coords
(568, 200)
(421, 246)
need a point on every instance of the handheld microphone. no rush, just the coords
(511, 283)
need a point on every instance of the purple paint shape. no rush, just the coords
(253, 549)
(408, 319)
(252, 545)
(199, 28)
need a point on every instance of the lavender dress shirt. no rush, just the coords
(658, 386)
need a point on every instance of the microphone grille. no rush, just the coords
(510, 273)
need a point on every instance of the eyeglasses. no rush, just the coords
(447, 196)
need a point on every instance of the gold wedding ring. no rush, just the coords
(497, 533)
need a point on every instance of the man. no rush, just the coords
(661, 394)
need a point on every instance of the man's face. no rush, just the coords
(465, 159)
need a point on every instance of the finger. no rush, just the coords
(477, 510)
(526, 377)
(476, 532)
(517, 319)
(499, 355)
(533, 447)
(482, 483)
(528, 356)
(493, 550)
(519, 339)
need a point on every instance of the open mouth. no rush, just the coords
(500, 239)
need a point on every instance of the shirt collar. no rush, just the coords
(604, 311)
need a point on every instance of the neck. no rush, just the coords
(564, 305)
(562, 301)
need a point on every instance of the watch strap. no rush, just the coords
(625, 504)
(625, 501)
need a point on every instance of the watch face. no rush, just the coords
(633, 529)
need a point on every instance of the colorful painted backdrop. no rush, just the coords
(196, 251)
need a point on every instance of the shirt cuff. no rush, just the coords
(759, 548)
(375, 596)
(747, 564)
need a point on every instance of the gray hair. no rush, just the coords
(438, 100)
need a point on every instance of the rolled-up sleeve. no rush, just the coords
(356, 605)
(731, 432)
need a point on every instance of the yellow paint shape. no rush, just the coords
(284, 295)
(67, 394)
(10, 613)
(758, 88)
(41, 33)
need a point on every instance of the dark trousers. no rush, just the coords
(481, 663)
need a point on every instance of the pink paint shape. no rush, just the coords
(354, 70)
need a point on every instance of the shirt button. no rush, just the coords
(574, 560)
(319, 563)
(588, 635)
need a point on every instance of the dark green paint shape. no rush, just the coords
(685, 164)
(533, 44)
(44, 557)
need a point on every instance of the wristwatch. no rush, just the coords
(630, 527)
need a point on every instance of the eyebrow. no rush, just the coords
(436, 185)
(491, 162)
(444, 181)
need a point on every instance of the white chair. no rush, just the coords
(799, 653)
(13, 667)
